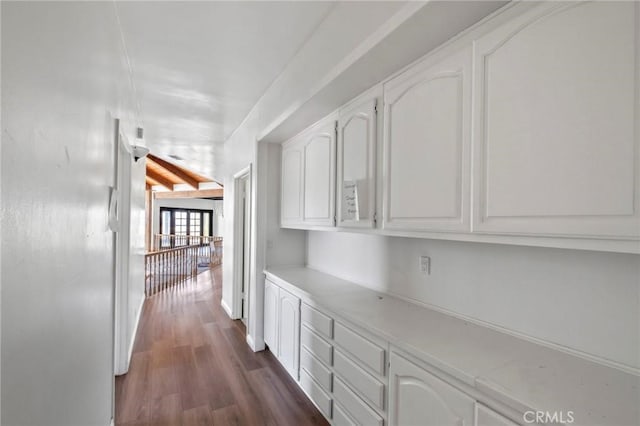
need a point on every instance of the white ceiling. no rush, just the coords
(199, 67)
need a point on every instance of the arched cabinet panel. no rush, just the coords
(426, 147)
(556, 136)
(419, 398)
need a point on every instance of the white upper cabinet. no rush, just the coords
(309, 177)
(426, 146)
(419, 398)
(556, 122)
(356, 162)
(319, 174)
(292, 183)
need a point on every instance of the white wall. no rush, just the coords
(190, 203)
(342, 30)
(63, 76)
(585, 301)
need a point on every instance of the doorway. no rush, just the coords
(242, 243)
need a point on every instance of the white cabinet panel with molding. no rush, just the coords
(417, 397)
(356, 161)
(308, 177)
(556, 122)
(289, 332)
(319, 174)
(426, 146)
(271, 297)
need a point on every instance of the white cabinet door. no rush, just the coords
(485, 416)
(419, 398)
(319, 174)
(289, 332)
(292, 183)
(271, 297)
(356, 163)
(426, 146)
(557, 122)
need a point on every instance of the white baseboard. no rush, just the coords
(227, 309)
(112, 422)
(135, 332)
(251, 343)
(256, 345)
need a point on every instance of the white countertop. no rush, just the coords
(521, 374)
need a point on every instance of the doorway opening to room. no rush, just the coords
(242, 243)
(183, 224)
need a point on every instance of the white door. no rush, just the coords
(246, 248)
(271, 316)
(289, 332)
(291, 186)
(426, 149)
(416, 397)
(557, 140)
(356, 161)
(319, 175)
(122, 256)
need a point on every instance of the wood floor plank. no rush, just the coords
(191, 366)
(198, 416)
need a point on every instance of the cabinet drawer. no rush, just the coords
(370, 354)
(317, 395)
(367, 386)
(340, 417)
(317, 345)
(317, 321)
(315, 369)
(357, 409)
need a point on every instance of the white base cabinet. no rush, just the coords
(417, 397)
(282, 326)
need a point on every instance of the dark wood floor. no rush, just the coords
(191, 366)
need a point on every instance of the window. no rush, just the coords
(183, 223)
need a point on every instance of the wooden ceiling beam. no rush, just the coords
(161, 180)
(203, 193)
(175, 170)
(151, 182)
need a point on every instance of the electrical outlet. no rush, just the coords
(425, 265)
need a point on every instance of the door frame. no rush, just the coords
(123, 169)
(239, 178)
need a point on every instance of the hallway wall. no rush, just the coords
(64, 78)
(583, 300)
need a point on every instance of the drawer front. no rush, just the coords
(368, 353)
(315, 369)
(364, 383)
(317, 395)
(317, 345)
(357, 409)
(340, 417)
(317, 321)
